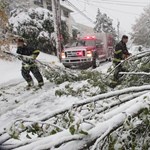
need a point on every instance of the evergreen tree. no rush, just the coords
(104, 24)
(99, 22)
(35, 25)
(74, 34)
(64, 32)
(141, 29)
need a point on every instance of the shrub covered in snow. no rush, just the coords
(36, 25)
(141, 29)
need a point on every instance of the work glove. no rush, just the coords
(28, 59)
(26, 66)
(20, 57)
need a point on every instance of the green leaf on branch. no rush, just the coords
(83, 132)
(72, 129)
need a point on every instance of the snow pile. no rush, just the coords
(6, 74)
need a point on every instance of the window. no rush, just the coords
(49, 5)
(84, 43)
(38, 2)
(98, 42)
(66, 13)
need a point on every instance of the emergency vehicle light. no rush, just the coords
(93, 37)
(90, 37)
(79, 54)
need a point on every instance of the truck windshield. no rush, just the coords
(84, 43)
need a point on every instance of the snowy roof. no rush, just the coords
(82, 20)
(76, 15)
(65, 5)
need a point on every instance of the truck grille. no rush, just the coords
(79, 53)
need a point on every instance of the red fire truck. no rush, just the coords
(88, 51)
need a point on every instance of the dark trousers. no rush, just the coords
(35, 71)
(117, 70)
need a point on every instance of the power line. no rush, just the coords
(111, 9)
(120, 4)
(129, 2)
(73, 6)
(124, 12)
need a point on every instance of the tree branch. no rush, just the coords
(135, 73)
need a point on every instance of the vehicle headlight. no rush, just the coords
(89, 54)
(63, 55)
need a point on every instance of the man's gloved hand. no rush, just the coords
(20, 57)
(26, 66)
(28, 59)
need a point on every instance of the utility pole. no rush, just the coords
(118, 29)
(57, 24)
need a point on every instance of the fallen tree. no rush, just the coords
(77, 120)
(93, 123)
(95, 134)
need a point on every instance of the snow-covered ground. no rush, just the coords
(19, 100)
(18, 103)
(134, 49)
(10, 71)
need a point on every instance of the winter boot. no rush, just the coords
(40, 84)
(113, 84)
(30, 85)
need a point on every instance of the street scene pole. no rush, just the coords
(57, 24)
(118, 26)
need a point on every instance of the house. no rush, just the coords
(81, 27)
(65, 10)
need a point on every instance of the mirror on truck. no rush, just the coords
(99, 45)
(66, 46)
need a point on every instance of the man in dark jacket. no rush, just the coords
(29, 65)
(121, 53)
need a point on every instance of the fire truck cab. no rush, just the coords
(88, 51)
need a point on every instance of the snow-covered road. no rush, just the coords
(16, 102)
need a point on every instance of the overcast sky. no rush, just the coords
(125, 11)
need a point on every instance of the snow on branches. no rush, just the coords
(141, 29)
(35, 25)
(104, 24)
(98, 118)
(76, 131)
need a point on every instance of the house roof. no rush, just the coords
(77, 17)
(66, 6)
